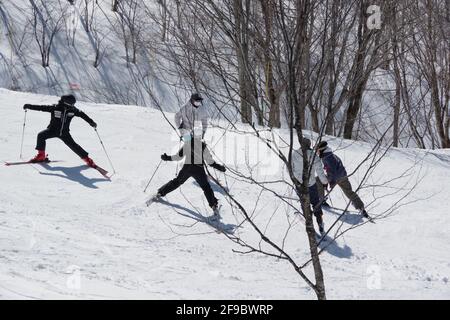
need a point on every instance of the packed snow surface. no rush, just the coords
(68, 233)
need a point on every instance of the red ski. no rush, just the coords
(102, 171)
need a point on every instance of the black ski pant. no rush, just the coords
(65, 137)
(315, 200)
(198, 173)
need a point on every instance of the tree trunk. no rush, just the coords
(361, 73)
(398, 80)
(268, 8)
(298, 103)
(242, 53)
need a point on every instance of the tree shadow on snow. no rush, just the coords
(73, 174)
(191, 214)
(333, 248)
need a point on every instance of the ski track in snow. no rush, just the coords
(68, 233)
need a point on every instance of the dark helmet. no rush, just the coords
(322, 146)
(196, 97)
(68, 99)
(306, 143)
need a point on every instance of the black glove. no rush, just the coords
(219, 167)
(93, 125)
(165, 157)
(26, 106)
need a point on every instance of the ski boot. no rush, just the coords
(365, 214)
(40, 157)
(89, 162)
(322, 229)
(326, 205)
(321, 225)
(153, 198)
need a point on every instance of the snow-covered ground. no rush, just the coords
(65, 232)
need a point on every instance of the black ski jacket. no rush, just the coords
(195, 153)
(61, 116)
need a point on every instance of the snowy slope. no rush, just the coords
(65, 232)
(72, 62)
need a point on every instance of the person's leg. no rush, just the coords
(346, 187)
(183, 175)
(42, 138)
(321, 192)
(201, 178)
(320, 188)
(314, 198)
(41, 144)
(315, 203)
(68, 140)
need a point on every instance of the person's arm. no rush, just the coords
(330, 168)
(204, 123)
(219, 167)
(319, 170)
(176, 157)
(297, 165)
(207, 157)
(86, 118)
(178, 118)
(44, 108)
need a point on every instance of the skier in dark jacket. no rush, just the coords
(337, 175)
(196, 154)
(59, 127)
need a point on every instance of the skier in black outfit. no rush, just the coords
(59, 127)
(196, 154)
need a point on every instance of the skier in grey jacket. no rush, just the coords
(316, 169)
(187, 118)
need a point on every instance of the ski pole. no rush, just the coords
(104, 149)
(23, 132)
(157, 167)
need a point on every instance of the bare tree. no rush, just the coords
(46, 22)
(131, 26)
(89, 13)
